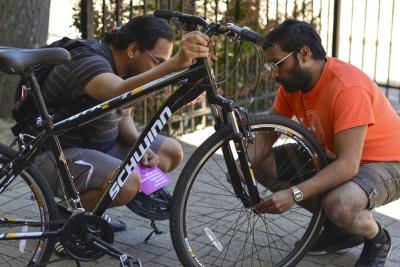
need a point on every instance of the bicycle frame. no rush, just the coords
(194, 81)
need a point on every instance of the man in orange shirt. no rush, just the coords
(351, 118)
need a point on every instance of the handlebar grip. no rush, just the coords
(254, 37)
(164, 14)
(168, 14)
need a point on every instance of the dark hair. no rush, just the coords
(145, 30)
(292, 35)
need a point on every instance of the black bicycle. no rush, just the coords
(212, 220)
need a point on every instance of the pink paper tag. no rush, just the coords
(152, 178)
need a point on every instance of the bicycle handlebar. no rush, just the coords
(168, 14)
(245, 32)
(248, 34)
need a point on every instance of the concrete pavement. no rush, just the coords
(158, 251)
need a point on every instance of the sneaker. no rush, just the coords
(376, 250)
(60, 251)
(333, 238)
(117, 225)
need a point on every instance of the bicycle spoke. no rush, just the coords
(235, 230)
(239, 236)
(210, 193)
(210, 247)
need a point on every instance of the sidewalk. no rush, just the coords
(159, 250)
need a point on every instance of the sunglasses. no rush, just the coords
(274, 66)
(156, 60)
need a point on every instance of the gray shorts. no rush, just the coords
(89, 167)
(379, 180)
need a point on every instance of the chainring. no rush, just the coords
(76, 240)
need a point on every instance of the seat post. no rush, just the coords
(39, 102)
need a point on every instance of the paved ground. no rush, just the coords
(159, 251)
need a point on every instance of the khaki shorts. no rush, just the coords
(88, 167)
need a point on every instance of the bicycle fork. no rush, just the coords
(242, 133)
(237, 117)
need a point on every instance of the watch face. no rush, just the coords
(298, 196)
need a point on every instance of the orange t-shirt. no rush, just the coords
(344, 97)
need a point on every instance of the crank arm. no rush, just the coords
(125, 259)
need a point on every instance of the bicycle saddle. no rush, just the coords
(19, 60)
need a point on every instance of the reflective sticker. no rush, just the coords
(213, 239)
(22, 242)
(188, 248)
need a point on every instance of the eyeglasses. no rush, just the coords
(156, 60)
(275, 66)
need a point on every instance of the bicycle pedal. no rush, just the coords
(126, 260)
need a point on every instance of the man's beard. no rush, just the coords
(300, 80)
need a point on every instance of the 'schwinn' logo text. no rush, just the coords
(136, 157)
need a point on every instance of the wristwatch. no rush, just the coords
(297, 194)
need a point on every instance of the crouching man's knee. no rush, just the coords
(338, 210)
(129, 190)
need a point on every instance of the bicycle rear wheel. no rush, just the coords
(211, 227)
(26, 205)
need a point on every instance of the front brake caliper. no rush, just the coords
(244, 127)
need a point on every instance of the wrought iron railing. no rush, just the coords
(97, 16)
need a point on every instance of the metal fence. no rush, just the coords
(344, 27)
(369, 38)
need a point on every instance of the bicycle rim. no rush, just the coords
(24, 207)
(211, 227)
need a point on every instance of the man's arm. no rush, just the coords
(126, 128)
(108, 85)
(349, 145)
(128, 133)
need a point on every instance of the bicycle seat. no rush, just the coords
(19, 60)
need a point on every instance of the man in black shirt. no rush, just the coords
(129, 56)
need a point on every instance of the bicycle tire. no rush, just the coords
(190, 207)
(28, 197)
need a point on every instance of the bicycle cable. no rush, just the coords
(258, 76)
(234, 68)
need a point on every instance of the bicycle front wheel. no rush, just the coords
(209, 224)
(26, 205)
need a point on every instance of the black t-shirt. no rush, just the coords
(63, 94)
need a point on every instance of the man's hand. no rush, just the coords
(150, 159)
(277, 203)
(193, 45)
